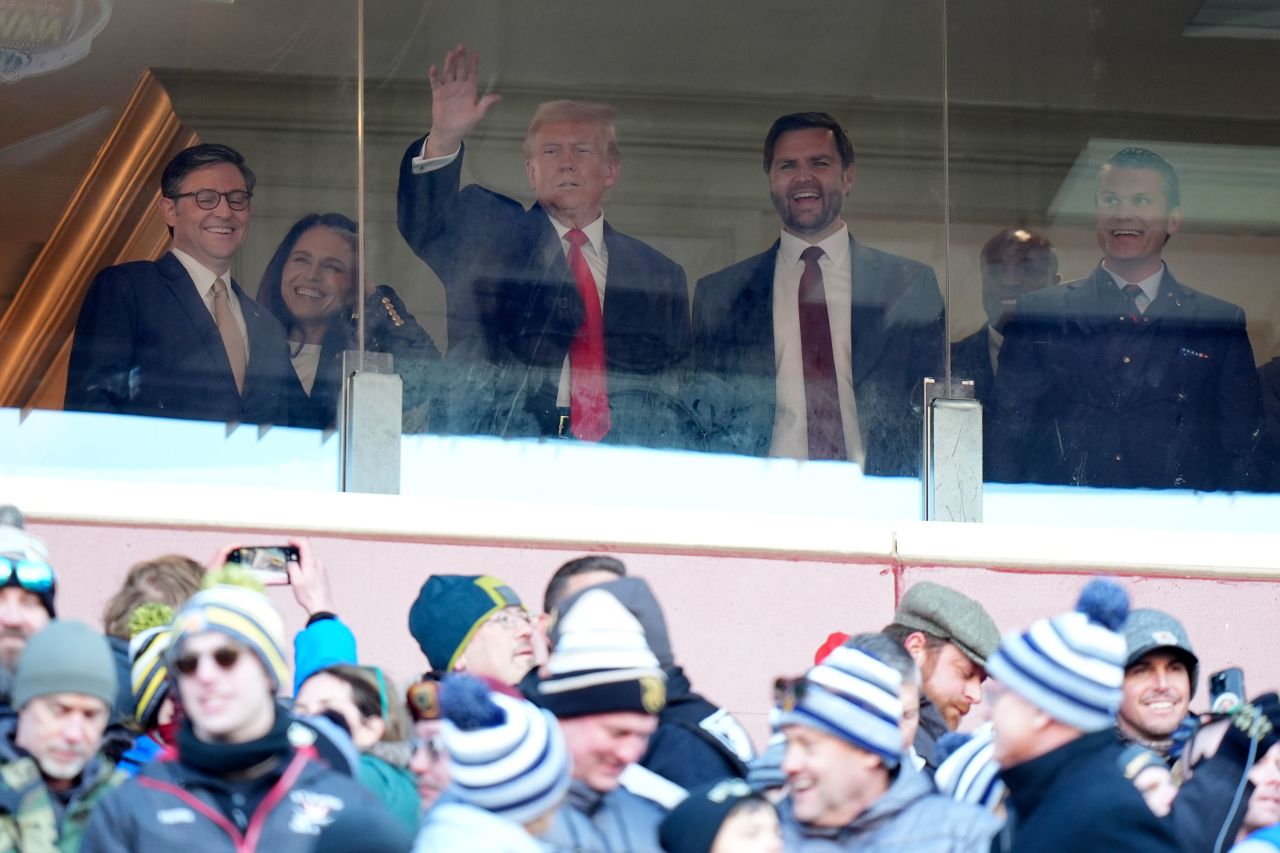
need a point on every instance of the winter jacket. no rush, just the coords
(910, 817)
(458, 826)
(932, 726)
(32, 818)
(1074, 799)
(393, 785)
(170, 806)
(1263, 841)
(616, 822)
(324, 642)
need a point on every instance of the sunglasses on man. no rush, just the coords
(224, 656)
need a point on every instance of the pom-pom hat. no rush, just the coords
(148, 670)
(242, 613)
(967, 770)
(506, 755)
(1071, 666)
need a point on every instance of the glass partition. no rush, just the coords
(676, 320)
(1120, 161)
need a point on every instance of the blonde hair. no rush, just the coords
(601, 115)
(170, 579)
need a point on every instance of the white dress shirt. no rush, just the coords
(204, 278)
(1150, 287)
(791, 421)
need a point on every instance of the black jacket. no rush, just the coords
(1076, 799)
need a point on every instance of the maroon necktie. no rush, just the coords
(1131, 294)
(822, 400)
(588, 381)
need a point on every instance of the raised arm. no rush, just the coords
(455, 106)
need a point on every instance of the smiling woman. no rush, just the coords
(310, 285)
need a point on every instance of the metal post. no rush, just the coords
(951, 475)
(371, 404)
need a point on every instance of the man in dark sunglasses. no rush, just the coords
(177, 337)
(27, 585)
(246, 774)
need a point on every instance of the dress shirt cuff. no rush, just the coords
(423, 164)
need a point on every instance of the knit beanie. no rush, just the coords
(19, 544)
(854, 697)
(955, 617)
(243, 614)
(967, 770)
(67, 656)
(1071, 666)
(1146, 630)
(450, 609)
(600, 663)
(692, 826)
(506, 756)
(149, 627)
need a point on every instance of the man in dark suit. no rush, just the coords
(1014, 261)
(177, 337)
(558, 323)
(816, 348)
(1127, 378)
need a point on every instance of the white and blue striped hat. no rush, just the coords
(506, 755)
(969, 772)
(854, 697)
(1071, 666)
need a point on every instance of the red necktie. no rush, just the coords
(822, 400)
(1131, 294)
(588, 380)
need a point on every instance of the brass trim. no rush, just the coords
(112, 217)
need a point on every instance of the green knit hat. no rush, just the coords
(951, 615)
(67, 656)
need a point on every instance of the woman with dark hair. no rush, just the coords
(310, 287)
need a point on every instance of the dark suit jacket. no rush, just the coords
(1084, 397)
(971, 359)
(145, 344)
(898, 336)
(513, 310)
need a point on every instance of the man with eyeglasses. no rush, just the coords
(53, 776)
(27, 586)
(177, 337)
(244, 774)
(474, 624)
(428, 758)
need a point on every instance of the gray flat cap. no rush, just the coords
(951, 615)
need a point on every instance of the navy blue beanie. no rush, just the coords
(692, 826)
(450, 609)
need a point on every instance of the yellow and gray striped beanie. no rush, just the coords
(245, 615)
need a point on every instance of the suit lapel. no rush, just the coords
(184, 291)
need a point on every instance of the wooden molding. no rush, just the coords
(111, 218)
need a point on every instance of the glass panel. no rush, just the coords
(100, 99)
(689, 229)
(1142, 149)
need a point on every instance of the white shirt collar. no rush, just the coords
(594, 231)
(835, 246)
(1150, 285)
(200, 274)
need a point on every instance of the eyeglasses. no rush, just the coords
(209, 199)
(225, 657)
(512, 620)
(31, 575)
(434, 746)
(789, 692)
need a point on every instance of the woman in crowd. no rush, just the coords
(379, 729)
(310, 287)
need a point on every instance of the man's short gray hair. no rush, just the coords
(601, 115)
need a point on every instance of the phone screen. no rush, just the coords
(268, 562)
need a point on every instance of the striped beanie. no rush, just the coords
(245, 615)
(149, 670)
(1071, 666)
(967, 770)
(506, 756)
(450, 609)
(601, 662)
(854, 697)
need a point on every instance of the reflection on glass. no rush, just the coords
(814, 348)
(558, 323)
(310, 287)
(178, 337)
(1128, 377)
